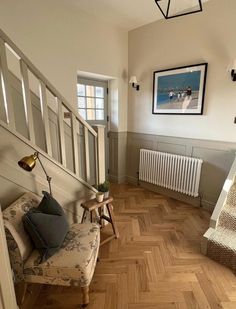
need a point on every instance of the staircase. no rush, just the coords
(219, 242)
(34, 116)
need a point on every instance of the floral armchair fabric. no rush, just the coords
(73, 264)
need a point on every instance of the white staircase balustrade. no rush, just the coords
(82, 152)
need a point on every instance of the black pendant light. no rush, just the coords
(176, 8)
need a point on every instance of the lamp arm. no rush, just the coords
(47, 176)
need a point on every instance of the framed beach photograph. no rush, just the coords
(180, 91)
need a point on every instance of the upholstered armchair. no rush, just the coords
(73, 264)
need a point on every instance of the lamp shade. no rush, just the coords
(133, 80)
(28, 163)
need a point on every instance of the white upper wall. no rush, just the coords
(203, 37)
(129, 14)
(61, 40)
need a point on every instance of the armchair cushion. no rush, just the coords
(75, 261)
(47, 226)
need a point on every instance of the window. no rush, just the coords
(91, 101)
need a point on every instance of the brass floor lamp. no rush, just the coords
(29, 162)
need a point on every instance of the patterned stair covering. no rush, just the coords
(222, 243)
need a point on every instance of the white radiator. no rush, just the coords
(170, 171)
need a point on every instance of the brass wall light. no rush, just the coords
(28, 163)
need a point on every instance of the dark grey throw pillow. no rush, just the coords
(47, 226)
(49, 205)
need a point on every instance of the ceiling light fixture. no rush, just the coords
(176, 8)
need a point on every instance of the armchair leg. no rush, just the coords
(85, 296)
(20, 289)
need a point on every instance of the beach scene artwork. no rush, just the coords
(179, 90)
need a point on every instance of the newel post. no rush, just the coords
(101, 171)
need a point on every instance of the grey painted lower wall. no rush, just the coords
(117, 156)
(217, 157)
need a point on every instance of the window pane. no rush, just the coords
(90, 114)
(80, 89)
(81, 102)
(82, 113)
(99, 103)
(100, 92)
(90, 103)
(90, 91)
(99, 114)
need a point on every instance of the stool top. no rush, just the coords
(94, 204)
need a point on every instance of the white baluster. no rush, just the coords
(101, 153)
(86, 148)
(5, 81)
(74, 131)
(27, 101)
(45, 116)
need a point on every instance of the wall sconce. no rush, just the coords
(133, 81)
(233, 71)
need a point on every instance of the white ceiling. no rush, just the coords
(128, 14)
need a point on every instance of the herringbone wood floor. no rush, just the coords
(156, 263)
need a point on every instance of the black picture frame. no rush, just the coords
(180, 90)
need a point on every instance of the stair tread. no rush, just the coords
(229, 210)
(224, 237)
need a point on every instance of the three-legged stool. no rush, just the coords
(92, 205)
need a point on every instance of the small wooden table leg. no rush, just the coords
(100, 215)
(83, 216)
(101, 220)
(91, 216)
(113, 223)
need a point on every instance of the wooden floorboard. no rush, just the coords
(156, 263)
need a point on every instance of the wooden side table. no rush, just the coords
(92, 205)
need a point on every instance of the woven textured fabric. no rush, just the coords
(221, 245)
(75, 261)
